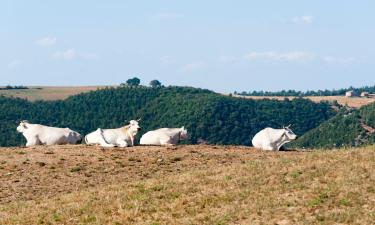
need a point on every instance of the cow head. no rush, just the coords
(183, 134)
(75, 137)
(134, 127)
(23, 126)
(288, 133)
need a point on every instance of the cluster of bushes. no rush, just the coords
(208, 116)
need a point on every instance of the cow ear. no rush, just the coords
(183, 128)
(24, 126)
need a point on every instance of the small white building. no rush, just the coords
(352, 93)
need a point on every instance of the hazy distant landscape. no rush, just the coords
(48, 93)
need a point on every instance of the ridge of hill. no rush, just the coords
(208, 116)
(347, 129)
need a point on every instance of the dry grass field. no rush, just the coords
(48, 92)
(355, 102)
(186, 185)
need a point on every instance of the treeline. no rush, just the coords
(208, 116)
(348, 128)
(339, 92)
(9, 87)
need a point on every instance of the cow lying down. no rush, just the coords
(273, 139)
(164, 136)
(37, 134)
(121, 137)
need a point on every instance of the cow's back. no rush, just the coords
(151, 138)
(159, 137)
(53, 135)
(262, 138)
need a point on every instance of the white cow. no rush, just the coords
(273, 139)
(164, 136)
(121, 137)
(37, 134)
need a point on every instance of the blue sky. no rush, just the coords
(219, 45)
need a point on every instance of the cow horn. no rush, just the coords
(24, 121)
(139, 119)
(289, 126)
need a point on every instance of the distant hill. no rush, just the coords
(208, 116)
(353, 102)
(339, 92)
(348, 128)
(34, 93)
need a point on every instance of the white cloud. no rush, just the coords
(294, 56)
(68, 54)
(168, 16)
(339, 60)
(190, 67)
(303, 19)
(46, 41)
(14, 64)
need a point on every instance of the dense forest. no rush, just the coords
(208, 116)
(339, 92)
(348, 128)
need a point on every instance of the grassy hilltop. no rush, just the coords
(186, 185)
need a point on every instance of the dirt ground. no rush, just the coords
(189, 184)
(39, 172)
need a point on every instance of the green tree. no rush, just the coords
(135, 81)
(155, 83)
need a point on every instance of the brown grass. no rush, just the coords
(48, 92)
(186, 185)
(355, 102)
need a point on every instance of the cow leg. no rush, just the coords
(122, 143)
(32, 141)
(105, 144)
(166, 142)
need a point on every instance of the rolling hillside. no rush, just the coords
(348, 128)
(208, 116)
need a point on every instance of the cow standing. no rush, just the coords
(273, 139)
(37, 134)
(121, 137)
(164, 136)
